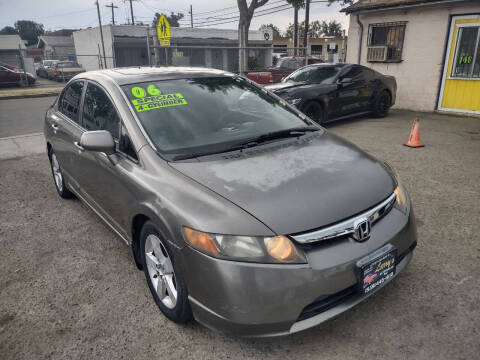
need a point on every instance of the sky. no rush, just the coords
(58, 14)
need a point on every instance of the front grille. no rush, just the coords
(346, 228)
(326, 302)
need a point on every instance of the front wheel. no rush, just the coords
(315, 112)
(164, 276)
(382, 104)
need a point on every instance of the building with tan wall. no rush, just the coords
(329, 48)
(432, 48)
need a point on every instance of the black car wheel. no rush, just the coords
(382, 104)
(164, 276)
(314, 111)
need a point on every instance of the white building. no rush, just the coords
(56, 47)
(11, 47)
(126, 45)
(432, 48)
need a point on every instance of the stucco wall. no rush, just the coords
(419, 74)
(86, 44)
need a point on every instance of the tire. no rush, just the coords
(58, 178)
(382, 105)
(164, 280)
(314, 111)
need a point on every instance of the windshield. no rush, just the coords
(203, 114)
(314, 74)
(68, 65)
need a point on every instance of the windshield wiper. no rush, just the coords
(212, 152)
(280, 134)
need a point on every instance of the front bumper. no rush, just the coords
(249, 299)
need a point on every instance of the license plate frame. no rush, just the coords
(376, 269)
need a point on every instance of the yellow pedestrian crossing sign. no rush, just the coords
(163, 31)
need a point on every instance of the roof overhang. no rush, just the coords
(396, 6)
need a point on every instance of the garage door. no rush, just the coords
(461, 78)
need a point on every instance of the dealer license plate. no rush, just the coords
(377, 268)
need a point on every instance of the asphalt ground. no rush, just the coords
(69, 289)
(23, 116)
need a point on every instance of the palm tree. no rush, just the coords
(297, 4)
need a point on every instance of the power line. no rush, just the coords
(236, 16)
(266, 11)
(219, 12)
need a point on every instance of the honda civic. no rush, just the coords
(242, 212)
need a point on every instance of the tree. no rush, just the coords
(314, 29)
(297, 4)
(332, 28)
(275, 29)
(29, 30)
(342, 2)
(246, 13)
(173, 19)
(8, 30)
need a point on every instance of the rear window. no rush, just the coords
(68, 65)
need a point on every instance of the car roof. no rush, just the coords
(300, 57)
(329, 65)
(130, 75)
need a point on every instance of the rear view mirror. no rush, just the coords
(98, 141)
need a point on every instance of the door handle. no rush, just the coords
(78, 146)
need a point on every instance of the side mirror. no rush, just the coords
(98, 141)
(345, 81)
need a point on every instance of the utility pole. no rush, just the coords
(191, 16)
(131, 12)
(113, 14)
(101, 34)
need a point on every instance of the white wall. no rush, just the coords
(419, 74)
(86, 44)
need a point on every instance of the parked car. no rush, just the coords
(11, 67)
(327, 92)
(64, 70)
(241, 211)
(44, 65)
(10, 77)
(284, 67)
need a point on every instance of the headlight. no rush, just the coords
(273, 249)
(402, 198)
(294, 101)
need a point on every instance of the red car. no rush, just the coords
(285, 66)
(12, 77)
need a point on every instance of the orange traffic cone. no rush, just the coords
(414, 139)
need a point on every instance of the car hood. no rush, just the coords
(299, 187)
(286, 85)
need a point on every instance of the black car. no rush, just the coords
(327, 92)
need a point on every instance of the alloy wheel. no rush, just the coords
(160, 270)
(57, 174)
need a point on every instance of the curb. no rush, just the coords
(31, 95)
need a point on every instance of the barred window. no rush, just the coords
(389, 35)
(316, 49)
(467, 54)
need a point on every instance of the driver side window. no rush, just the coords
(99, 112)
